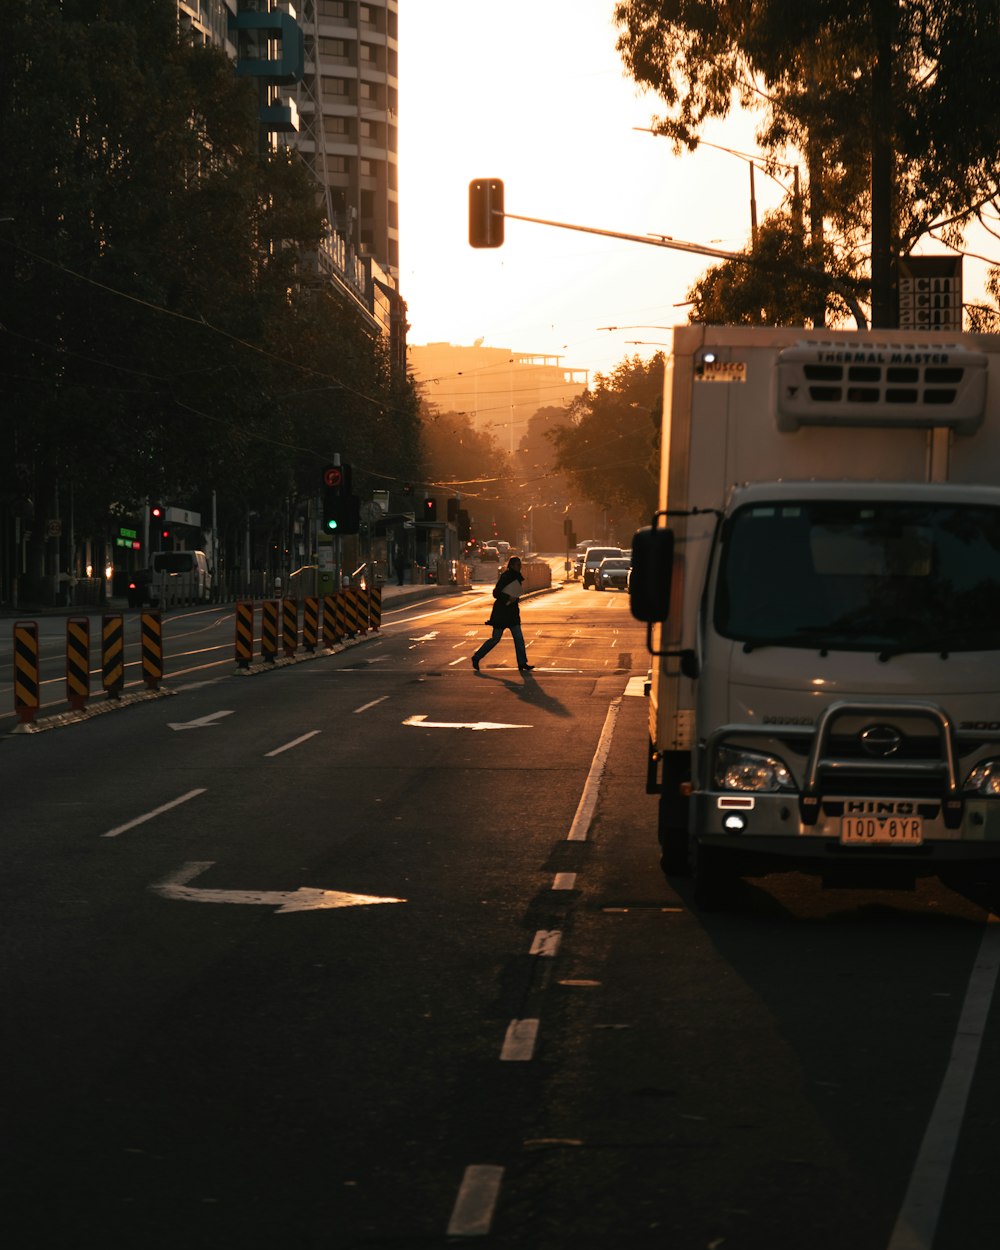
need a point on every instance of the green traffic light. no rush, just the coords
(331, 523)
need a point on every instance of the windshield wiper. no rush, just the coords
(802, 633)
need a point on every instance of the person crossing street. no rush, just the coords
(506, 614)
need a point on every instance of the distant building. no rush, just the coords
(499, 389)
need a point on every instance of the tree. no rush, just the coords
(843, 81)
(609, 445)
(772, 288)
(157, 338)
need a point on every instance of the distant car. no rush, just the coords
(591, 560)
(489, 552)
(612, 573)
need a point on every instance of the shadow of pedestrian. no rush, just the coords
(529, 692)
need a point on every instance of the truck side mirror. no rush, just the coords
(486, 212)
(652, 574)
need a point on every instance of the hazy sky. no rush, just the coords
(532, 91)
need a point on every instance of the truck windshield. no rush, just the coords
(892, 577)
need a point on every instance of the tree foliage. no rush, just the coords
(808, 70)
(158, 336)
(609, 445)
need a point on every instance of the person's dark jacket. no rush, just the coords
(506, 612)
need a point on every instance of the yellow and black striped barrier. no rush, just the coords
(330, 634)
(77, 661)
(375, 607)
(113, 654)
(310, 622)
(151, 634)
(340, 608)
(352, 610)
(26, 670)
(269, 630)
(290, 626)
(244, 633)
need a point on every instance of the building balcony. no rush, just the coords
(280, 117)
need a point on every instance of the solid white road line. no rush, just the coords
(157, 811)
(294, 743)
(588, 800)
(917, 1221)
(472, 1213)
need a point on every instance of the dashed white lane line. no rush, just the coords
(294, 743)
(546, 942)
(918, 1218)
(564, 881)
(588, 800)
(157, 811)
(519, 1042)
(365, 706)
(472, 1214)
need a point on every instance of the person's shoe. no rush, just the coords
(475, 665)
(526, 668)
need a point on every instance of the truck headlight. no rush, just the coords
(739, 769)
(985, 779)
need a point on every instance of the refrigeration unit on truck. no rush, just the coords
(821, 586)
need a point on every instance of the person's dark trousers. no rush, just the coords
(490, 643)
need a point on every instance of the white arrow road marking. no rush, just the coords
(201, 723)
(426, 637)
(421, 722)
(304, 899)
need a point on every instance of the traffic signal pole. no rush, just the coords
(487, 215)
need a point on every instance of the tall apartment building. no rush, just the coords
(326, 71)
(348, 103)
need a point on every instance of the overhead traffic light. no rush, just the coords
(337, 499)
(156, 526)
(486, 212)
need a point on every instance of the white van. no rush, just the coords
(179, 577)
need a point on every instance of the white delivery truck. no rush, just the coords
(821, 587)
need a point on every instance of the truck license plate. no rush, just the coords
(881, 831)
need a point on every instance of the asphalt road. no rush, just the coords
(373, 951)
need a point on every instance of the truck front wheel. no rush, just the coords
(714, 879)
(672, 814)
(673, 836)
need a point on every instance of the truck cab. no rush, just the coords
(822, 586)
